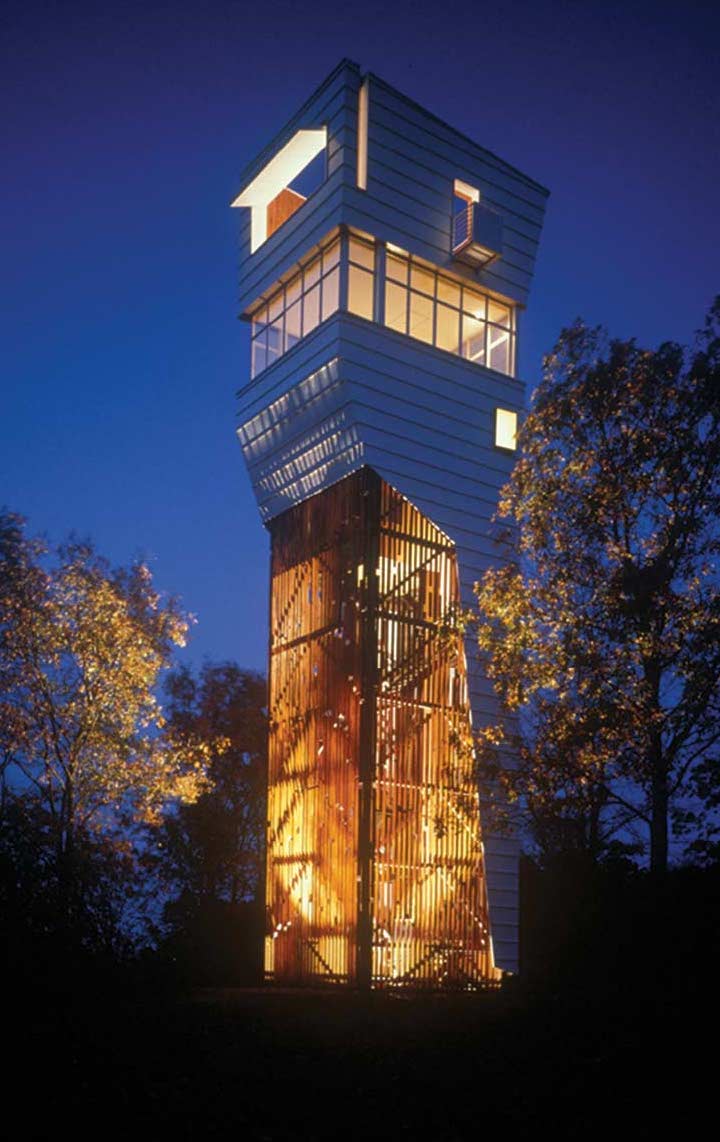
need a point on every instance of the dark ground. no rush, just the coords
(272, 1066)
(615, 1038)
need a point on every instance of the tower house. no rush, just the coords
(385, 262)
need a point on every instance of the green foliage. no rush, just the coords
(602, 628)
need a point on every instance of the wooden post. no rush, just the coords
(368, 727)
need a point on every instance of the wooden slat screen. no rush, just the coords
(375, 865)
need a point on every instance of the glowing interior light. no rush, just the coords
(464, 190)
(275, 176)
(362, 140)
(505, 429)
(421, 868)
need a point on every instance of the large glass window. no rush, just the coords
(423, 303)
(420, 302)
(296, 308)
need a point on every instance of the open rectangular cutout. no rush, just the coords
(284, 184)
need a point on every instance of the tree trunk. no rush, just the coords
(66, 864)
(659, 819)
(598, 801)
(659, 797)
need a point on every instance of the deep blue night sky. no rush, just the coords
(125, 129)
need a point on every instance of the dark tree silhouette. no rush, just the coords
(209, 856)
(603, 627)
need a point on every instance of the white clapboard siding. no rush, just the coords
(413, 159)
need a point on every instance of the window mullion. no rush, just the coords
(379, 284)
(344, 270)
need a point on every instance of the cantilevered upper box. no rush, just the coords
(385, 260)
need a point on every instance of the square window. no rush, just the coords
(473, 339)
(293, 290)
(312, 273)
(474, 303)
(311, 310)
(293, 326)
(422, 279)
(362, 254)
(396, 307)
(447, 333)
(331, 256)
(505, 429)
(397, 268)
(330, 293)
(449, 292)
(360, 292)
(499, 314)
(498, 349)
(259, 354)
(421, 317)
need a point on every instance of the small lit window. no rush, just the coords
(505, 429)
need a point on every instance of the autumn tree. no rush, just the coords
(602, 628)
(83, 740)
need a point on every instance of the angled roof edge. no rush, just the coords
(291, 125)
(460, 134)
(348, 64)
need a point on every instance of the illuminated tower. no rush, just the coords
(385, 259)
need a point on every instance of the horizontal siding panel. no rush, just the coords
(462, 483)
(384, 360)
(455, 450)
(433, 499)
(411, 403)
(397, 355)
(410, 150)
(374, 217)
(390, 167)
(437, 222)
(504, 844)
(330, 419)
(315, 219)
(310, 354)
(290, 417)
(337, 89)
(503, 866)
(446, 140)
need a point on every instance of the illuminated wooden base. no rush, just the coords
(375, 862)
